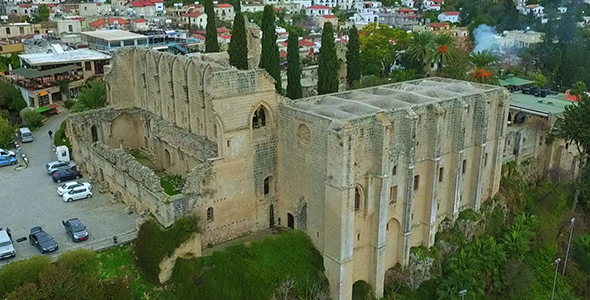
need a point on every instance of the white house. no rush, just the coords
(536, 9)
(195, 18)
(224, 12)
(318, 10)
(408, 3)
(143, 9)
(432, 4)
(433, 7)
(253, 7)
(68, 26)
(449, 16)
(562, 9)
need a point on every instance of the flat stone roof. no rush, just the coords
(114, 35)
(369, 101)
(71, 56)
(547, 105)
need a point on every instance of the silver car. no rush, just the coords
(66, 187)
(59, 165)
(7, 153)
(6, 248)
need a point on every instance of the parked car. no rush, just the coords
(7, 153)
(66, 187)
(65, 175)
(77, 194)
(6, 247)
(25, 135)
(76, 229)
(42, 240)
(60, 165)
(7, 160)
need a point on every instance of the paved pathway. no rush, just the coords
(28, 198)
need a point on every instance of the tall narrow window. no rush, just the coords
(357, 199)
(267, 185)
(464, 169)
(94, 132)
(416, 182)
(393, 194)
(210, 214)
(441, 173)
(259, 118)
(394, 172)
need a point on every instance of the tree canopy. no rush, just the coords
(238, 45)
(328, 62)
(92, 96)
(379, 43)
(211, 44)
(293, 67)
(353, 57)
(269, 56)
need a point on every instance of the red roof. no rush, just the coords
(283, 54)
(137, 4)
(222, 30)
(78, 19)
(101, 22)
(156, 1)
(224, 5)
(438, 1)
(50, 5)
(193, 14)
(330, 17)
(24, 5)
(452, 13)
(203, 32)
(405, 10)
(277, 8)
(225, 36)
(434, 5)
(319, 7)
(532, 5)
(199, 36)
(302, 43)
(147, 3)
(140, 21)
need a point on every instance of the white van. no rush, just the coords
(25, 135)
(6, 248)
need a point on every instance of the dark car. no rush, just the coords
(42, 240)
(65, 175)
(76, 229)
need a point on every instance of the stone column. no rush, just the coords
(410, 150)
(381, 209)
(339, 214)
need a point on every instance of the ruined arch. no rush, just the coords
(167, 158)
(127, 131)
(393, 243)
(359, 198)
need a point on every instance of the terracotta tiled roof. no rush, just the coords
(330, 17)
(140, 21)
(199, 36)
(439, 25)
(452, 13)
(101, 22)
(225, 36)
(224, 5)
(194, 14)
(319, 7)
(136, 4)
(222, 30)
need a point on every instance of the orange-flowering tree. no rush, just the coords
(444, 52)
(483, 67)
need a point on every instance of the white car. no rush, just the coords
(66, 187)
(77, 194)
(7, 153)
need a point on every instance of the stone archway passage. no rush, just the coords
(290, 221)
(167, 159)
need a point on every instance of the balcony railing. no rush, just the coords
(40, 83)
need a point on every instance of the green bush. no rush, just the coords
(32, 119)
(153, 243)
(7, 132)
(60, 138)
(19, 272)
(69, 103)
(172, 184)
(80, 261)
(253, 271)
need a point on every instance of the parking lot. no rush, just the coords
(28, 198)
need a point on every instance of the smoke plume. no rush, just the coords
(483, 38)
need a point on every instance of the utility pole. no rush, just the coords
(569, 244)
(556, 262)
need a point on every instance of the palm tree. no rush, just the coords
(92, 96)
(483, 65)
(444, 52)
(421, 47)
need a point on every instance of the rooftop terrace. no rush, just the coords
(537, 105)
(369, 101)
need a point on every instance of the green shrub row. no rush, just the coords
(153, 243)
(287, 266)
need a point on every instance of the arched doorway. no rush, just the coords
(167, 158)
(94, 132)
(393, 239)
(290, 221)
(271, 216)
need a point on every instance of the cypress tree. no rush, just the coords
(293, 67)
(328, 64)
(269, 56)
(237, 6)
(353, 57)
(211, 44)
(238, 45)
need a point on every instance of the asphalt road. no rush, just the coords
(28, 198)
